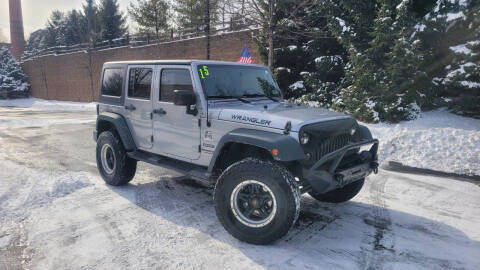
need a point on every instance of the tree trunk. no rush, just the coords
(90, 74)
(270, 49)
(270, 33)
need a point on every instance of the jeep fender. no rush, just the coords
(288, 148)
(364, 132)
(120, 125)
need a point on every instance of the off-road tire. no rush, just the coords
(280, 182)
(125, 167)
(341, 194)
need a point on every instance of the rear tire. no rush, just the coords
(341, 194)
(257, 201)
(113, 163)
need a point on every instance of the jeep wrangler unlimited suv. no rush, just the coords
(228, 123)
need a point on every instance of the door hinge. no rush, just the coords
(151, 138)
(199, 148)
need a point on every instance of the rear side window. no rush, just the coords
(112, 82)
(174, 79)
(140, 83)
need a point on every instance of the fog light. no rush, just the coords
(304, 138)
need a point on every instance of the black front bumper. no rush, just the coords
(335, 170)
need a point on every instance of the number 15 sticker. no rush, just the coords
(203, 72)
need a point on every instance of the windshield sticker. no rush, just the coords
(203, 72)
(253, 120)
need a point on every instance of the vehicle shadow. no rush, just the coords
(352, 235)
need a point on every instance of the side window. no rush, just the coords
(140, 83)
(174, 79)
(112, 82)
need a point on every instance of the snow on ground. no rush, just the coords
(437, 140)
(48, 104)
(62, 219)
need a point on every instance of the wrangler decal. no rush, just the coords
(253, 120)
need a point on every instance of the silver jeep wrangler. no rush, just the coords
(228, 123)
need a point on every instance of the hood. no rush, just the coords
(272, 114)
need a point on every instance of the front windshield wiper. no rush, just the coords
(234, 97)
(260, 95)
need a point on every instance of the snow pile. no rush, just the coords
(436, 140)
(52, 105)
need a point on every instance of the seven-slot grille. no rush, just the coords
(327, 145)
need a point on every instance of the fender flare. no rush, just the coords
(364, 132)
(121, 127)
(288, 148)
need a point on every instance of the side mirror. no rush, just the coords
(184, 98)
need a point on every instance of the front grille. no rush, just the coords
(327, 137)
(330, 144)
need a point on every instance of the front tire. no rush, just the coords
(257, 201)
(115, 167)
(339, 195)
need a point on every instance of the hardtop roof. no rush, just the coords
(176, 62)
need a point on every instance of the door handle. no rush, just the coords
(159, 111)
(130, 107)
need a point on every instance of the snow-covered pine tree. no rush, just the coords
(55, 35)
(308, 60)
(462, 81)
(379, 79)
(401, 69)
(13, 82)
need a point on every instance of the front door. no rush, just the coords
(176, 133)
(138, 104)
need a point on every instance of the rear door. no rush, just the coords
(138, 104)
(176, 132)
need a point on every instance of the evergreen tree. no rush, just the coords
(308, 62)
(383, 58)
(191, 14)
(55, 35)
(90, 17)
(36, 41)
(150, 15)
(461, 77)
(13, 81)
(111, 19)
(323, 84)
(75, 28)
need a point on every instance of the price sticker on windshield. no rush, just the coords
(203, 72)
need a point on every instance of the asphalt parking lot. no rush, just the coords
(56, 213)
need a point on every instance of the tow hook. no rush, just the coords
(374, 166)
(340, 179)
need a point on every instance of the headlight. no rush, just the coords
(352, 131)
(304, 138)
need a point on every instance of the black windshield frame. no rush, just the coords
(214, 67)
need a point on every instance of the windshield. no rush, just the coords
(224, 81)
